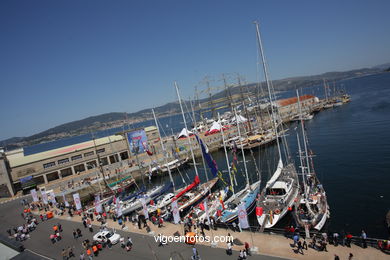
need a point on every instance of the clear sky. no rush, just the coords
(65, 60)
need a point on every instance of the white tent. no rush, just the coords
(215, 126)
(184, 132)
(240, 119)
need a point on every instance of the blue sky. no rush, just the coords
(65, 60)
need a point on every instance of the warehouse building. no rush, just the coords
(21, 172)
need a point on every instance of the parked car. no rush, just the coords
(107, 235)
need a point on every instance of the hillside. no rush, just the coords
(115, 119)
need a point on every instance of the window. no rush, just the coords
(62, 161)
(101, 150)
(88, 154)
(48, 165)
(76, 157)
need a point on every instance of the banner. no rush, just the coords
(259, 211)
(175, 212)
(77, 201)
(98, 205)
(144, 208)
(137, 141)
(118, 208)
(208, 158)
(65, 201)
(242, 215)
(44, 196)
(52, 197)
(206, 209)
(34, 195)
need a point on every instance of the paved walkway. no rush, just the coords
(268, 244)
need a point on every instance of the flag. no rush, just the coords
(44, 196)
(34, 195)
(175, 212)
(221, 178)
(242, 215)
(77, 201)
(98, 205)
(234, 163)
(259, 211)
(118, 208)
(206, 209)
(144, 208)
(201, 206)
(221, 201)
(65, 201)
(207, 156)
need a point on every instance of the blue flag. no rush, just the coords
(207, 156)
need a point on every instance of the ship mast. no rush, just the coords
(185, 125)
(268, 86)
(164, 151)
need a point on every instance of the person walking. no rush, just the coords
(229, 250)
(364, 239)
(195, 254)
(336, 257)
(241, 255)
(247, 250)
(70, 252)
(82, 257)
(89, 254)
(304, 245)
(64, 254)
(350, 257)
(296, 239)
(300, 248)
(79, 232)
(90, 227)
(74, 234)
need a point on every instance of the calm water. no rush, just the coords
(352, 147)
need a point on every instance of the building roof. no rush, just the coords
(293, 100)
(21, 160)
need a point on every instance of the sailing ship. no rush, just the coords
(133, 204)
(312, 210)
(281, 190)
(247, 195)
(172, 165)
(192, 194)
(303, 116)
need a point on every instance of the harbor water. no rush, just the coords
(351, 144)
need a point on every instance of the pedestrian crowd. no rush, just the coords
(319, 242)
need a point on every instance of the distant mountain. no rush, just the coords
(115, 119)
(384, 66)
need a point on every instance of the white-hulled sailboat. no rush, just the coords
(247, 195)
(192, 194)
(312, 211)
(281, 190)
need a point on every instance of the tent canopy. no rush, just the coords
(216, 126)
(240, 119)
(184, 133)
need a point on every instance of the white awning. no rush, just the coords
(215, 126)
(184, 132)
(240, 119)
